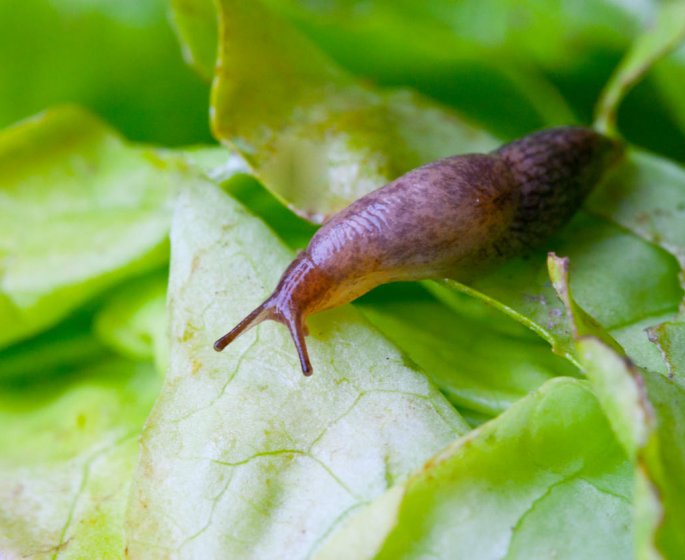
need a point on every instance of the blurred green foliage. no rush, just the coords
(118, 58)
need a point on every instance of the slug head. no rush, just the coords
(301, 291)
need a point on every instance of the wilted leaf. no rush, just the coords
(243, 456)
(546, 479)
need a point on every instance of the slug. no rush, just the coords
(450, 218)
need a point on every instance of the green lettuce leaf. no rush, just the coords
(67, 452)
(197, 28)
(498, 89)
(507, 63)
(242, 456)
(545, 479)
(477, 367)
(647, 412)
(69, 346)
(118, 58)
(80, 210)
(133, 321)
(646, 196)
(316, 136)
(669, 337)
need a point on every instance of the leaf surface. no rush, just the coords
(120, 59)
(523, 485)
(647, 412)
(243, 456)
(80, 210)
(474, 365)
(318, 137)
(67, 452)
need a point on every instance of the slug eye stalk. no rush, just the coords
(269, 311)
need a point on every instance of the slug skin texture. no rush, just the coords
(450, 218)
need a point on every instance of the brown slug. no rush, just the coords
(448, 218)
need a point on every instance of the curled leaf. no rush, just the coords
(646, 410)
(316, 136)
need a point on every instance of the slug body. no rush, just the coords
(450, 218)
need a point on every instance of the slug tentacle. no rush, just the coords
(261, 313)
(450, 218)
(269, 311)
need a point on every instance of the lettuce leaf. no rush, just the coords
(647, 412)
(646, 196)
(118, 58)
(318, 137)
(669, 338)
(477, 367)
(242, 456)
(69, 346)
(544, 479)
(133, 322)
(80, 210)
(67, 451)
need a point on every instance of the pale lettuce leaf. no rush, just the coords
(242, 456)
(67, 452)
